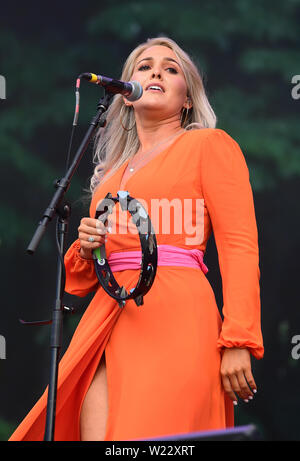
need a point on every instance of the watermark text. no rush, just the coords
(2, 87)
(168, 217)
(296, 349)
(296, 89)
(2, 347)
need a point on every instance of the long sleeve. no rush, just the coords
(228, 197)
(81, 278)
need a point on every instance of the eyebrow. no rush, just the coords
(164, 59)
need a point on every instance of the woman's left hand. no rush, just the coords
(236, 374)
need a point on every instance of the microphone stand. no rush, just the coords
(63, 212)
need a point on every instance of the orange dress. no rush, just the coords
(163, 358)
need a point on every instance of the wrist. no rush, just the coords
(85, 254)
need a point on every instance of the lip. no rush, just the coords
(155, 84)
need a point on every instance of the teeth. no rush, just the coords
(154, 87)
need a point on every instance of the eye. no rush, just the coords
(172, 70)
(144, 67)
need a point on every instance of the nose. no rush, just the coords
(156, 74)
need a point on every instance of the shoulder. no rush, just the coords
(220, 152)
(211, 146)
(214, 143)
(209, 134)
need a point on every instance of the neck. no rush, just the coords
(151, 132)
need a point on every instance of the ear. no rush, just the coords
(126, 102)
(188, 103)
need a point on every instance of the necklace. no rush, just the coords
(132, 165)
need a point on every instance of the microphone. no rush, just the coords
(131, 90)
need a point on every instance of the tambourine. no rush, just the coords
(148, 247)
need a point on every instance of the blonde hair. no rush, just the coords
(114, 145)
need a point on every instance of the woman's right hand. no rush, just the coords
(90, 228)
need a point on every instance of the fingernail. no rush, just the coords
(245, 400)
(254, 391)
(250, 397)
(235, 402)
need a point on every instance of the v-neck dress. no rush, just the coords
(163, 358)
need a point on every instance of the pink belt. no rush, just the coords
(167, 255)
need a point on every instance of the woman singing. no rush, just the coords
(172, 365)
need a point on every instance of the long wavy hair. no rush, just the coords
(114, 144)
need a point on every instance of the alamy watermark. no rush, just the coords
(169, 217)
(296, 89)
(2, 87)
(2, 347)
(295, 352)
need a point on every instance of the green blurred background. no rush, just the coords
(248, 52)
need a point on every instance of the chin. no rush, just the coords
(151, 107)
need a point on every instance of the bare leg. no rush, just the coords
(94, 410)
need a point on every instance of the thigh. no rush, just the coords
(94, 410)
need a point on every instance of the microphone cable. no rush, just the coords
(75, 121)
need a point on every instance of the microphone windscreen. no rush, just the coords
(137, 91)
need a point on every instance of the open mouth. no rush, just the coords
(155, 88)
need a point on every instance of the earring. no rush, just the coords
(186, 109)
(121, 119)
